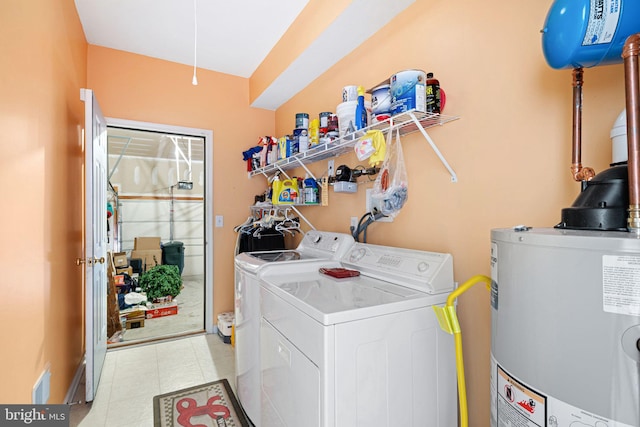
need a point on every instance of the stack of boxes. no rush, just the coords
(146, 253)
(121, 263)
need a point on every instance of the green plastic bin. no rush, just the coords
(173, 254)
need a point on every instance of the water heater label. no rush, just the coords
(621, 284)
(603, 21)
(516, 404)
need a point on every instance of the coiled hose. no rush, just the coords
(449, 323)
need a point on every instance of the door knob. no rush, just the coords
(90, 261)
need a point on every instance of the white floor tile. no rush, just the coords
(133, 376)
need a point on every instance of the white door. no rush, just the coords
(95, 241)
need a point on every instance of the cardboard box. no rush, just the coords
(150, 258)
(120, 259)
(135, 323)
(146, 243)
(168, 310)
(128, 270)
(133, 314)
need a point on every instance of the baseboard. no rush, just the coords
(73, 388)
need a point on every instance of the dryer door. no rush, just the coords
(290, 382)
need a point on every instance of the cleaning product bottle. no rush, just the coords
(310, 191)
(361, 111)
(314, 128)
(433, 94)
(276, 187)
(288, 192)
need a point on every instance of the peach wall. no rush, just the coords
(43, 68)
(510, 147)
(135, 87)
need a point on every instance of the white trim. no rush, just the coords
(209, 324)
(75, 383)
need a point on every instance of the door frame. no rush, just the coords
(208, 197)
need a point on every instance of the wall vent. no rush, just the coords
(40, 395)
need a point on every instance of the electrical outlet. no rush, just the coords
(354, 222)
(371, 205)
(331, 168)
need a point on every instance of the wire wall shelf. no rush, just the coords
(405, 123)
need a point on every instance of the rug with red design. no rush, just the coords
(207, 405)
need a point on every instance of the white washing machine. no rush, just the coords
(315, 245)
(360, 351)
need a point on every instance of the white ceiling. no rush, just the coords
(233, 37)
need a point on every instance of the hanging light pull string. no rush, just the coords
(194, 81)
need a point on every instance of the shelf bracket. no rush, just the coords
(454, 177)
(282, 171)
(305, 168)
(303, 217)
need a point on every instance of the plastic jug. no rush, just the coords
(285, 192)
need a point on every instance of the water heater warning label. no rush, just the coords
(621, 284)
(518, 405)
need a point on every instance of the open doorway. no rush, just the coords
(160, 189)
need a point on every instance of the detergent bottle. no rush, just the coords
(361, 111)
(287, 192)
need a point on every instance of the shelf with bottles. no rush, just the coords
(406, 123)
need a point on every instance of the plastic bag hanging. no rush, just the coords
(390, 190)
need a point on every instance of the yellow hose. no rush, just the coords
(449, 322)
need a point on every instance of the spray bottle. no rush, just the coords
(361, 111)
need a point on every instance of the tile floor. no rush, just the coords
(132, 376)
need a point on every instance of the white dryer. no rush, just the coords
(364, 351)
(315, 245)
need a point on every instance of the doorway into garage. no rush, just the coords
(159, 185)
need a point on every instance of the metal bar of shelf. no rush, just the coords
(406, 123)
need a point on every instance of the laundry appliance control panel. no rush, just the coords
(429, 272)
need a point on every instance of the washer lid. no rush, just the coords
(330, 301)
(276, 256)
(254, 261)
(314, 245)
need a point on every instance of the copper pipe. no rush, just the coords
(579, 173)
(630, 55)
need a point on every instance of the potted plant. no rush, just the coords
(161, 281)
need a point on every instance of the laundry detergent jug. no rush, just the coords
(284, 192)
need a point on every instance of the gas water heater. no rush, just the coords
(565, 301)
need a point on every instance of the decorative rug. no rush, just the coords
(207, 405)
